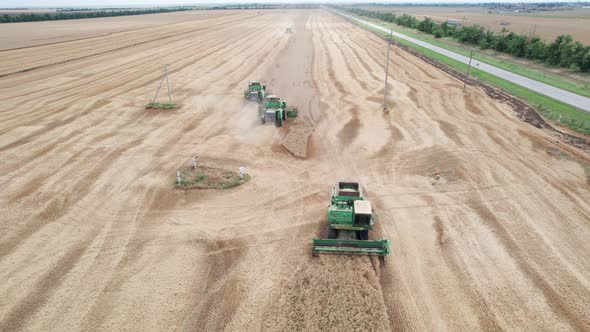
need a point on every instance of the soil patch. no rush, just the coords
(351, 130)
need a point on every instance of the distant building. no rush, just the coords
(453, 22)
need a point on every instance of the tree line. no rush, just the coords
(562, 52)
(64, 15)
(476, 4)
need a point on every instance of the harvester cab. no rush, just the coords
(350, 218)
(255, 91)
(274, 102)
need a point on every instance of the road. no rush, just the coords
(567, 97)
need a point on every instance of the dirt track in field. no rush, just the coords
(93, 236)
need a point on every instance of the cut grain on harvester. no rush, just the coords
(350, 218)
(256, 91)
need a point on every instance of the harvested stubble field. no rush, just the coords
(94, 236)
(27, 34)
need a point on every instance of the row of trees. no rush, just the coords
(562, 52)
(62, 15)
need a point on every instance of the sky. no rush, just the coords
(106, 3)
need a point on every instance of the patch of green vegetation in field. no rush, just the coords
(204, 177)
(550, 108)
(561, 82)
(153, 105)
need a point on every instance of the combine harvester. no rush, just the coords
(274, 109)
(256, 91)
(350, 218)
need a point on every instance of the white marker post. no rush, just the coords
(242, 170)
(195, 158)
(178, 177)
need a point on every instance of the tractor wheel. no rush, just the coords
(363, 235)
(332, 233)
(279, 121)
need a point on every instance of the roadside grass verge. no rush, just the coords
(558, 81)
(551, 109)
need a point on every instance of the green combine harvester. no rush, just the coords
(275, 110)
(256, 91)
(350, 218)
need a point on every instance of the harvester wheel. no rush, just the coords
(279, 121)
(332, 233)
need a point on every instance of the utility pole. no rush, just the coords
(167, 83)
(468, 68)
(387, 68)
(164, 77)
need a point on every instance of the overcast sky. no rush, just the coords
(104, 3)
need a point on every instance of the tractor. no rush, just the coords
(350, 218)
(274, 109)
(255, 91)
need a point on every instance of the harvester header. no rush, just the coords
(351, 247)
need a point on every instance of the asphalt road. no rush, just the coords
(567, 97)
